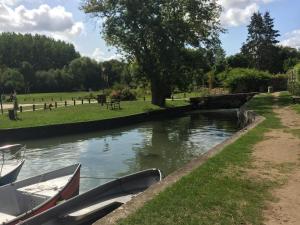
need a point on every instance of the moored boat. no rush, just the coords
(10, 169)
(92, 205)
(29, 197)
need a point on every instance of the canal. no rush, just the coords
(166, 144)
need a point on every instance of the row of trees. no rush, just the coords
(41, 52)
(83, 73)
(80, 74)
(41, 64)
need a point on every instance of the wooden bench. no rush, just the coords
(113, 104)
(296, 99)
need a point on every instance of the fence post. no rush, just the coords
(55, 104)
(89, 101)
(45, 106)
(33, 107)
(21, 108)
(82, 101)
(66, 103)
(74, 102)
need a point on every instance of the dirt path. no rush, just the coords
(277, 158)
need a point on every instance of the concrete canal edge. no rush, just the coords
(18, 134)
(138, 202)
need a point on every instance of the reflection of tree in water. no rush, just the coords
(170, 146)
(166, 150)
(219, 120)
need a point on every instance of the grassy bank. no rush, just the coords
(220, 191)
(79, 113)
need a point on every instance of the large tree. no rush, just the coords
(260, 47)
(154, 33)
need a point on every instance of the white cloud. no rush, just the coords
(292, 39)
(56, 21)
(238, 12)
(9, 2)
(100, 56)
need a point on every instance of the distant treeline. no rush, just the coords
(41, 52)
(41, 64)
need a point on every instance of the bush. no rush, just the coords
(124, 95)
(297, 71)
(128, 95)
(294, 88)
(241, 80)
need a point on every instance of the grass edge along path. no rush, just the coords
(218, 192)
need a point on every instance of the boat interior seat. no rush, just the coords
(98, 205)
(48, 188)
(29, 201)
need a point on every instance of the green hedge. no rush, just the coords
(241, 80)
(247, 80)
(294, 87)
(297, 71)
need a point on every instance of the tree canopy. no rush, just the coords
(154, 33)
(41, 64)
(42, 52)
(260, 47)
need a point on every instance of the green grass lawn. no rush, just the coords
(218, 192)
(79, 113)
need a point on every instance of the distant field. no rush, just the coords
(79, 113)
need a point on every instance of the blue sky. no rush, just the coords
(62, 19)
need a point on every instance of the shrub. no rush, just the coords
(115, 94)
(124, 95)
(294, 88)
(247, 80)
(128, 95)
(297, 71)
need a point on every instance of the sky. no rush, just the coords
(62, 19)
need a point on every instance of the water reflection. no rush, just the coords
(166, 144)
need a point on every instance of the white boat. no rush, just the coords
(10, 169)
(24, 199)
(88, 207)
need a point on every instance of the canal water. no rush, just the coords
(166, 144)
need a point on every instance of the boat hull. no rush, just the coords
(95, 204)
(69, 191)
(12, 176)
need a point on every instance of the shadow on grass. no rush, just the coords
(285, 99)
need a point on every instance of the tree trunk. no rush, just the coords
(158, 91)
